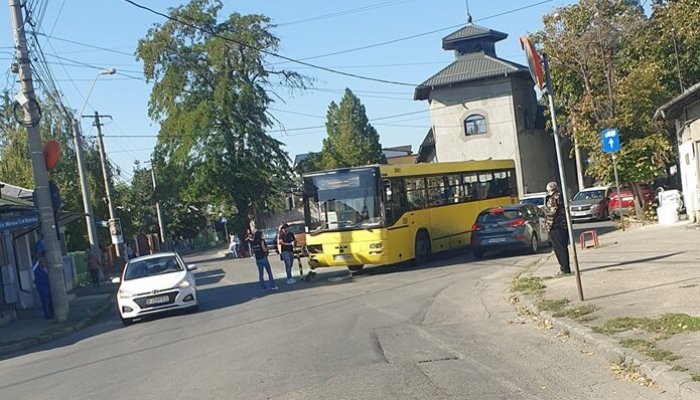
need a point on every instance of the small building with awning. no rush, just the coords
(19, 234)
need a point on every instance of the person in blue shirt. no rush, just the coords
(43, 287)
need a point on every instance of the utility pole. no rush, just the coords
(108, 185)
(84, 188)
(27, 101)
(161, 228)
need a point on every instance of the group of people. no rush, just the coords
(259, 250)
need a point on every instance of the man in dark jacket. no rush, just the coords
(556, 226)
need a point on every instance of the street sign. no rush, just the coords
(115, 231)
(610, 140)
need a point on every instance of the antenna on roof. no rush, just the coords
(469, 15)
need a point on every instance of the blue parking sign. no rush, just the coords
(611, 140)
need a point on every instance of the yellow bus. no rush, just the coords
(386, 214)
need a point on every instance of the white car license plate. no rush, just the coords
(157, 300)
(342, 257)
(579, 213)
(496, 240)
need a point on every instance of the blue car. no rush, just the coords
(516, 226)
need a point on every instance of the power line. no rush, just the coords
(92, 46)
(269, 52)
(345, 12)
(370, 46)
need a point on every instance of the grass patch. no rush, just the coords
(527, 284)
(679, 368)
(649, 349)
(696, 377)
(556, 307)
(665, 326)
(692, 285)
(577, 313)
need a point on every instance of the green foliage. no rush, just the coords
(604, 77)
(352, 141)
(210, 96)
(16, 167)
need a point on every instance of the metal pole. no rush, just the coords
(105, 175)
(84, 188)
(617, 187)
(562, 175)
(161, 228)
(579, 165)
(27, 100)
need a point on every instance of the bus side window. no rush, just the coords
(396, 202)
(454, 189)
(415, 193)
(471, 187)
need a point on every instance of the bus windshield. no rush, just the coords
(342, 200)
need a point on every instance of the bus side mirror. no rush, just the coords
(387, 190)
(289, 202)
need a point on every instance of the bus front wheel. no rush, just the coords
(423, 250)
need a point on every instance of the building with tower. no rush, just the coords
(485, 107)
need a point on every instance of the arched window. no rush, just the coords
(474, 124)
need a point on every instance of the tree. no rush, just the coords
(352, 141)
(16, 167)
(211, 91)
(602, 80)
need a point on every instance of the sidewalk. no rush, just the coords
(642, 302)
(31, 329)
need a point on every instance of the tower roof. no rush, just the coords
(469, 33)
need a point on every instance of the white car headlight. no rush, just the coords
(124, 294)
(184, 284)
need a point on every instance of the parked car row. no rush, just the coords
(597, 203)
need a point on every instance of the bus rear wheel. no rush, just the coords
(422, 248)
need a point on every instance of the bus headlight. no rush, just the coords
(376, 245)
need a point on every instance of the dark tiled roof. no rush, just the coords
(467, 68)
(471, 32)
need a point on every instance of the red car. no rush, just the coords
(627, 200)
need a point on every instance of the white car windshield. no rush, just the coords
(152, 266)
(590, 195)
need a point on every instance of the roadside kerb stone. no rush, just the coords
(78, 325)
(672, 381)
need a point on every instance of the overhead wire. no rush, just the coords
(344, 12)
(268, 52)
(401, 39)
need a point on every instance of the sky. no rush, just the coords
(306, 28)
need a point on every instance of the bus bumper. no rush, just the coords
(344, 260)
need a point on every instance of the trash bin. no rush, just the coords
(668, 214)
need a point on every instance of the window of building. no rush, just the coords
(475, 124)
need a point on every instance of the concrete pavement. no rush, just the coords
(31, 329)
(642, 302)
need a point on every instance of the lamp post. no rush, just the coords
(84, 188)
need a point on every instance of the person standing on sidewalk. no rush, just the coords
(260, 252)
(93, 266)
(43, 288)
(555, 223)
(287, 241)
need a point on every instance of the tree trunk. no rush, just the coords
(639, 201)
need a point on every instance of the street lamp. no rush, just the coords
(108, 71)
(89, 217)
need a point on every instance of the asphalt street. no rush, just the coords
(443, 331)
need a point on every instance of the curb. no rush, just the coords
(679, 383)
(79, 325)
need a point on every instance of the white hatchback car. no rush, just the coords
(155, 283)
(536, 199)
